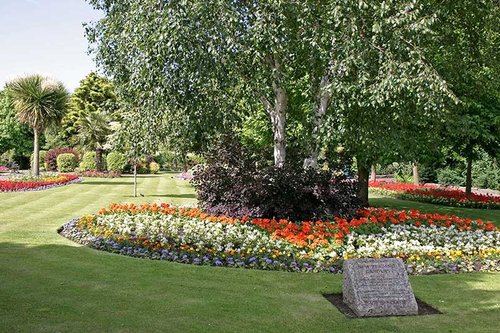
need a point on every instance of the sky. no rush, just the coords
(45, 37)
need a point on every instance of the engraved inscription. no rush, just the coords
(378, 287)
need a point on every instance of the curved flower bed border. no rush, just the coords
(187, 235)
(38, 185)
(436, 195)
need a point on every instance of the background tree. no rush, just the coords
(355, 74)
(95, 94)
(13, 134)
(92, 132)
(465, 51)
(39, 102)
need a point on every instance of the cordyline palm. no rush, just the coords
(92, 131)
(39, 102)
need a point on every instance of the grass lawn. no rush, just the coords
(50, 284)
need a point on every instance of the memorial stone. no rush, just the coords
(378, 287)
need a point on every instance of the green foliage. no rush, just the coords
(465, 52)
(154, 167)
(94, 95)
(486, 172)
(38, 101)
(66, 162)
(193, 159)
(170, 160)
(88, 161)
(116, 161)
(13, 134)
(259, 61)
(403, 173)
(142, 166)
(451, 176)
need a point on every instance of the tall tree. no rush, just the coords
(193, 61)
(95, 94)
(39, 102)
(465, 51)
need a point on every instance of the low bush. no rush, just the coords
(154, 167)
(66, 162)
(486, 173)
(88, 161)
(451, 177)
(235, 184)
(116, 162)
(143, 166)
(51, 157)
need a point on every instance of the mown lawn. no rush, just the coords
(49, 284)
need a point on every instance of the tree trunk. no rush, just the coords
(135, 178)
(36, 152)
(468, 175)
(363, 183)
(319, 111)
(278, 119)
(373, 174)
(416, 178)
(98, 159)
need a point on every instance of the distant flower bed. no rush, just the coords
(30, 183)
(3, 168)
(436, 195)
(100, 174)
(428, 243)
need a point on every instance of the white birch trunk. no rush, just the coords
(278, 120)
(416, 177)
(373, 174)
(135, 179)
(319, 110)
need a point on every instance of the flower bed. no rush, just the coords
(30, 183)
(427, 243)
(100, 174)
(436, 195)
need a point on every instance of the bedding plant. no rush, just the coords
(428, 243)
(32, 183)
(436, 195)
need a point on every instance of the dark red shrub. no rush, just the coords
(234, 183)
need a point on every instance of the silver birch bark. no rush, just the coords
(319, 110)
(416, 178)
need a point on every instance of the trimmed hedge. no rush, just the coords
(88, 161)
(154, 167)
(116, 162)
(66, 162)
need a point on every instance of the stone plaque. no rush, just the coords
(378, 287)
